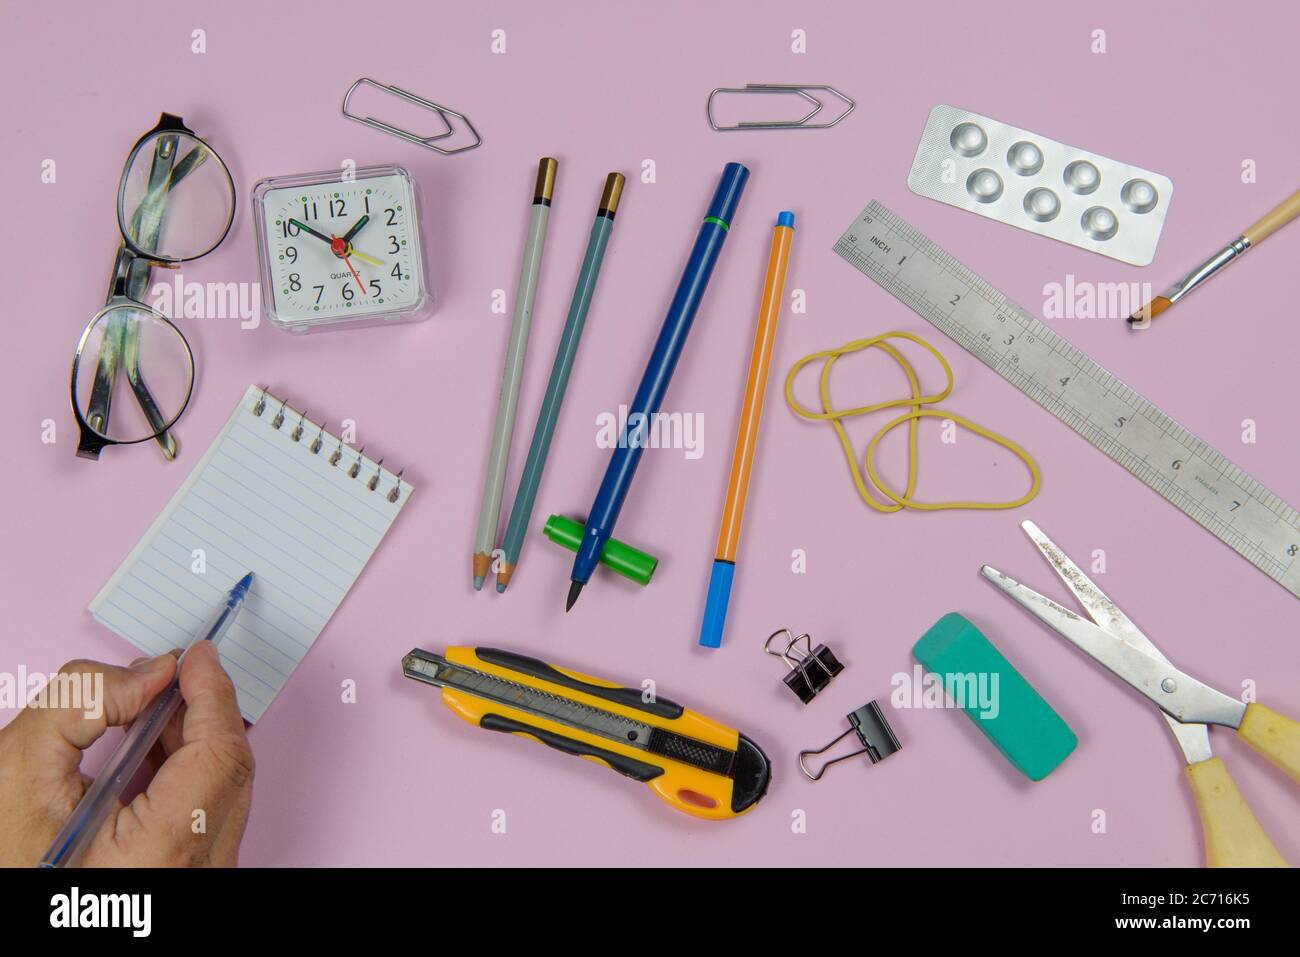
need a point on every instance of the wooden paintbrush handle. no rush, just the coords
(1274, 219)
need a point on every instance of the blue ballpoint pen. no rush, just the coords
(654, 383)
(101, 797)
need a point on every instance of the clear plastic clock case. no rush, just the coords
(320, 294)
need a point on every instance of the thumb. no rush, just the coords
(84, 699)
(212, 770)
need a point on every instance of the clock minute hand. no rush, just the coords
(307, 229)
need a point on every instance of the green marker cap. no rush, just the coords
(617, 556)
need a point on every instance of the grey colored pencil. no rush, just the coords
(490, 510)
(521, 512)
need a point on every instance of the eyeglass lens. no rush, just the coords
(135, 364)
(177, 199)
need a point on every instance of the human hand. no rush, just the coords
(193, 812)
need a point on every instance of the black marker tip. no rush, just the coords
(575, 589)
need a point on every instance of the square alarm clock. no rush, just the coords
(338, 251)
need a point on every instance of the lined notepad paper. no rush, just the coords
(276, 495)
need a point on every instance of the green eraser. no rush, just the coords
(995, 696)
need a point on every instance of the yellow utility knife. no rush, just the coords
(694, 763)
(1233, 835)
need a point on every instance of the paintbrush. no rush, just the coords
(1272, 221)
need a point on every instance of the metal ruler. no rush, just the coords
(1182, 469)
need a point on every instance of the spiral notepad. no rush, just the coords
(276, 495)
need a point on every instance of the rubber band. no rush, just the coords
(918, 407)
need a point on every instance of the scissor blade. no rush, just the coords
(1173, 692)
(1193, 739)
(1103, 611)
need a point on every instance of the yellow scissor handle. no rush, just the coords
(1233, 835)
(1273, 735)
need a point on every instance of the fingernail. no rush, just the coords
(149, 665)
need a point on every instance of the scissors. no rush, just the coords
(1233, 836)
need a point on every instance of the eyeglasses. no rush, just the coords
(175, 203)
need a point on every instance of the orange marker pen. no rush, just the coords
(724, 563)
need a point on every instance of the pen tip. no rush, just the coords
(242, 586)
(575, 589)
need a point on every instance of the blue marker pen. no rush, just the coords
(654, 383)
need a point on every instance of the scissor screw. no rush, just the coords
(1169, 685)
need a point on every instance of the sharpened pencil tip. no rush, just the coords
(478, 582)
(575, 589)
(501, 588)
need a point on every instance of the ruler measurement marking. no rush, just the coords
(1132, 431)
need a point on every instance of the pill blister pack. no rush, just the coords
(1018, 177)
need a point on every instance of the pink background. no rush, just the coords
(1187, 89)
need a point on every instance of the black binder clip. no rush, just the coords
(811, 669)
(877, 737)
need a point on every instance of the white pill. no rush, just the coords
(968, 139)
(1082, 177)
(984, 184)
(1042, 204)
(1025, 158)
(1139, 196)
(1099, 222)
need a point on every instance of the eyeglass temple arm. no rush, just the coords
(148, 221)
(131, 279)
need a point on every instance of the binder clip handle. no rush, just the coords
(811, 668)
(873, 731)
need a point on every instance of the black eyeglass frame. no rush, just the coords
(131, 274)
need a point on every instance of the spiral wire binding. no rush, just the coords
(353, 470)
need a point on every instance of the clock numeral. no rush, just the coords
(291, 253)
(319, 290)
(288, 229)
(295, 281)
(397, 247)
(367, 199)
(309, 211)
(392, 216)
(397, 271)
(342, 208)
(347, 293)
(374, 288)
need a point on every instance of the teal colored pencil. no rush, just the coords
(522, 511)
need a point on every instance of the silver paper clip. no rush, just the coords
(798, 89)
(429, 142)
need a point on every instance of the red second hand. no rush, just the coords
(339, 248)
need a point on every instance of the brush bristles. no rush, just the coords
(1152, 309)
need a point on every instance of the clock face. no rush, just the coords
(343, 250)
